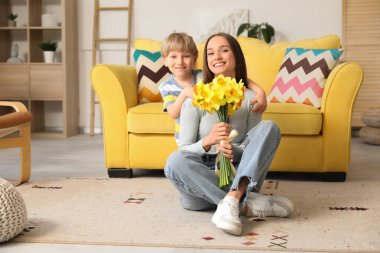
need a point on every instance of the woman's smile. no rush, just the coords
(220, 58)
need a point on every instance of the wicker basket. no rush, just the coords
(371, 117)
(370, 135)
(13, 215)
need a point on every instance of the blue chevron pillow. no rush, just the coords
(302, 76)
(151, 72)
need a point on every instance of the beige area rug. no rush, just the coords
(146, 212)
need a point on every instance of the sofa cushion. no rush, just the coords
(147, 44)
(151, 72)
(302, 76)
(149, 118)
(264, 60)
(295, 119)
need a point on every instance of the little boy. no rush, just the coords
(180, 53)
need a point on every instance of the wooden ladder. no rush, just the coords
(97, 40)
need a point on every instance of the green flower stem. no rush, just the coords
(225, 174)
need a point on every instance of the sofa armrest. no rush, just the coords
(338, 99)
(116, 88)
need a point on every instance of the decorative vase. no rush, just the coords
(48, 20)
(12, 23)
(49, 56)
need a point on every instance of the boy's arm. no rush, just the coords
(259, 102)
(174, 109)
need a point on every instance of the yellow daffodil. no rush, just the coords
(223, 95)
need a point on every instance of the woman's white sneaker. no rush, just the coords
(226, 216)
(268, 206)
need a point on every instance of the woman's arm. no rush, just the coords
(189, 125)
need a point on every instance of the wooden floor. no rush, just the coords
(82, 156)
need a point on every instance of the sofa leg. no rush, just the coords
(120, 173)
(334, 176)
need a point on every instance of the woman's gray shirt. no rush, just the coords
(197, 124)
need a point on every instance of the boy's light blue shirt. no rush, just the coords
(170, 90)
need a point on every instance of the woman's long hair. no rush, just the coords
(240, 65)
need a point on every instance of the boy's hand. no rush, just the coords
(259, 103)
(188, 92)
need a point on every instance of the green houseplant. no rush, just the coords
(49, 48)
(12, 19)
(263, 31)
(48, 45)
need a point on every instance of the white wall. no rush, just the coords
(155, 19)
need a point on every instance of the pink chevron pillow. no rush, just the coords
(302, 76)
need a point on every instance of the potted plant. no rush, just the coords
(263, 31)
(49, 48)
(12, 19)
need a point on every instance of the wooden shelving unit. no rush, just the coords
(42, 86)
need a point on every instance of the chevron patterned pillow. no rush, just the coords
(302, 76)
(151, 72)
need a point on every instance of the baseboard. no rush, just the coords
(86, 130)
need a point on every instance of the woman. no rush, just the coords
(253, 149)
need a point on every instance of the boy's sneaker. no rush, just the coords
(268, 206)
(226, 216)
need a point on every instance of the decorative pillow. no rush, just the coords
(302, 76)
(151, 72)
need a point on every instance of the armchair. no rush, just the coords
(18, 121)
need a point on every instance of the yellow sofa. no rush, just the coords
(313, 140)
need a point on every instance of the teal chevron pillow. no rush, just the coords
(151, 72)
(302, 76)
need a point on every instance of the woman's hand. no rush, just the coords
(259, 102)
(219, 132)
(226, 149)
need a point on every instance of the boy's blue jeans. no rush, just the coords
(199, 186)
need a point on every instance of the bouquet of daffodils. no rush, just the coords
(224, 95)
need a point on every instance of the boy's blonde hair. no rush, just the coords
(180, 42)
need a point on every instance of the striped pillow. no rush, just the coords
(302, 76)
(151, 72)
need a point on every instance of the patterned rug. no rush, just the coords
(146, 212)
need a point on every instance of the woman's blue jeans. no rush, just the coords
(199, 186)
